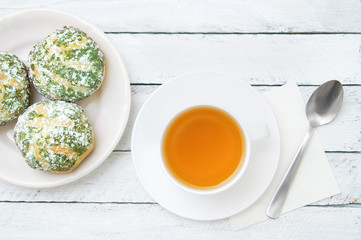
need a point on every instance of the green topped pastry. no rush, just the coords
(14, 87)
(67, 65)
(54, 136)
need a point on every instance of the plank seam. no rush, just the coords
(77, 202)
(122, 151)
(344, 152)
(232, 33)
(351, 205)
(258, 85)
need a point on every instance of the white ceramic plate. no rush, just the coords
(239, 98)
(107, 109)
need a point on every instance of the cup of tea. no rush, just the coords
(206, 150)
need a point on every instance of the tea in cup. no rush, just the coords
(205, 150)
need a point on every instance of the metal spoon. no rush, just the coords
(322, 108)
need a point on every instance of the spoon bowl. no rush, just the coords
(324, 103)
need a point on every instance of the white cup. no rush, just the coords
(251, 134)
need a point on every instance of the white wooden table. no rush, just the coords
(266, 43)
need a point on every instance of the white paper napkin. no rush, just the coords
(314, 180)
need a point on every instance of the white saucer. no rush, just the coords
(204, 89)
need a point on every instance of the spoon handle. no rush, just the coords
(275, 207)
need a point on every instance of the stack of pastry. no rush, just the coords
(67, 66)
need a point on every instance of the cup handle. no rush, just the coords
(258, 132)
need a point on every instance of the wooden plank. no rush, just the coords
(258, 59)
(116, 181)
(209, 15)
(138, 221)
(344, 134)
(347, 171)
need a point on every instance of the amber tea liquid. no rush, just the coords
(203, 147)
